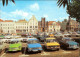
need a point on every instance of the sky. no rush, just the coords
(25, 9)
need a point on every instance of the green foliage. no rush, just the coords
(63, 2)
(74, 9)
(6, 1)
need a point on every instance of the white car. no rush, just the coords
(59, 35)
(2, 46)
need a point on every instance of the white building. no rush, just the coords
(21, 26)
(53, 26)
(8, 26)
(33, 25)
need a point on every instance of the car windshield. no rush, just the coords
(29, 36)
(13, 42)
(51, 40)
(33, 41)
(68, 39)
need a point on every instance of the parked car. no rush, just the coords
(68, 43)
(78, 32)
(2, 46)
(29, 37)
(75, 34)
(66, 34)
(33, 45)
(59, 35)
(14, 45)
(51, 44)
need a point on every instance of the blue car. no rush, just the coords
(33, 45)
(68, 43)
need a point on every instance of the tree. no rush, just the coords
(74, 9)
(63, 2)
(6, 1)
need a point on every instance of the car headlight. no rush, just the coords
(30, 48)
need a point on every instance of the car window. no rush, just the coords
(51, 40)
(33, 41)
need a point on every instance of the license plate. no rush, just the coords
(51, 47)
(34, 50)
(14, 50)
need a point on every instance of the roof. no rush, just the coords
(50, 38)
(57, 23)
(50, 22)
(33, 17)
(1, 20)
(23, 21)
(8, 21)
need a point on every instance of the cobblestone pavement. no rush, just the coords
(60, 53)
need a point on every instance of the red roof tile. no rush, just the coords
(1, 20)
(8, 21)
(50, 22)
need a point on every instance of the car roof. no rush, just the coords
(14, 40)
(32, 39)
(50, 38)
(66, 38)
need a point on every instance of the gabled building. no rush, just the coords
(33, 25)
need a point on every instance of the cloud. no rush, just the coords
(20, 13)
(45, 15)
(34, 7)
(15, 15)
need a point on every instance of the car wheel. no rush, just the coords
(6, 50)
(22, 50)
(58, 49)
(39, 51)
(0, 50)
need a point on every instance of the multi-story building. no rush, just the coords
(33, 25)
(72, 25)
(43, 25)
(21, 26)
(53, 26)
(7, 26)
(0, 26)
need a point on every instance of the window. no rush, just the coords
(35, 26)
(30, 26)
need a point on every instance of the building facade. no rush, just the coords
(21, 26)
(43, 25)
(33, 25)
(7, 26)
(53, 26)
(72, 25)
